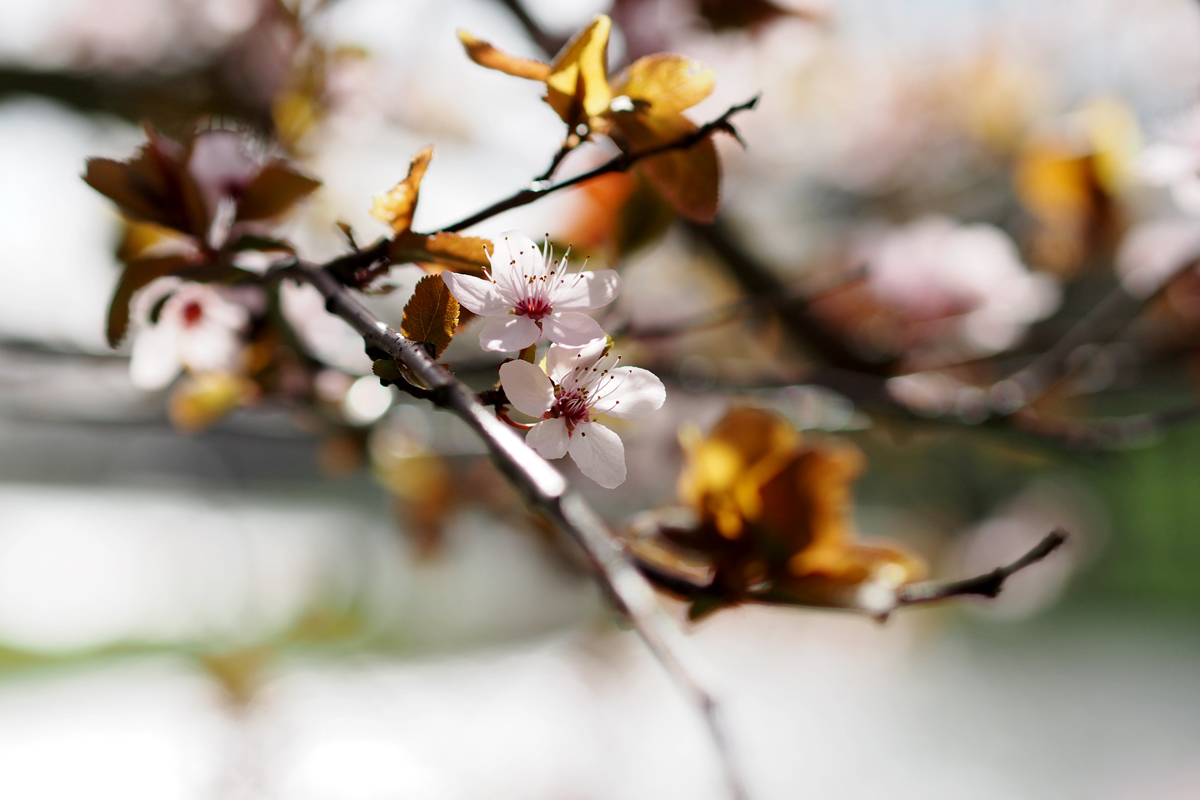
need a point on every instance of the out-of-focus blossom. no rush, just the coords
(1174, 161)
(530, 296)
(326, 336)
(1154, 252)
(935, 269)
(578, 385)
(196, 328)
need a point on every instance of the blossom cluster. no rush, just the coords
(530, 297)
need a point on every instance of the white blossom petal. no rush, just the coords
(549, 438)
(155, 357)
(599, 454)
(635, 393)
(572, 329)
(477, 295)
(586, 291)
(508, 333)
(209, 347)
(527, 387)
(514, 254)
(560, 359)
(1164, 163)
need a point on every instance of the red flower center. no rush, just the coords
(571, 407)
(533, 307)
(193, 312)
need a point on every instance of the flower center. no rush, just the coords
(193, 312)
(533, 307)
(572, 407)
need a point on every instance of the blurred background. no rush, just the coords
(346, 601)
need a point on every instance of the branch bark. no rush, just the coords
(546, 490)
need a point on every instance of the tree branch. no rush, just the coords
(987, 585)
(544, 489)
(619, 163)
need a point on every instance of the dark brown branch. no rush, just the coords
(619, 163)
(544, 489)
(987, 585)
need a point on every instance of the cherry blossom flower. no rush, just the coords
(1174, 161)
(531, 296)
(198, 328)
(578, 384)
(935, 268)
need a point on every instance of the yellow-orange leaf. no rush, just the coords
(485, 55)
(468, 254)
(396, 208)
(577, 87)
(665, 83)
(774, 518)
(207, 398)
(689, 179)
(431, 315)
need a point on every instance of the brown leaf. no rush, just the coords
(273, 191)
(485, 55)
(396, 208)
(665, 83)
(577, 87)
(690, 179)
(431, 315)
(137, 274)
(467, 254)
(775, 520)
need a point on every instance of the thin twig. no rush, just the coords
(619, 163)
(546, 490)
(986, 585)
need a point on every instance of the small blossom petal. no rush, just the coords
(154, 361)
(599, 454)
(572, 329)
(527, 387)
(587, 290)
(514, 254)
(560, 359)
(508, 333)
(636, 393)
(549, 438)
(476, 294)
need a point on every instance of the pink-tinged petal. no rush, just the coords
(155, 358)
(599, 454)
(549, 438)
(208, 347)
(509, 333)
(560, 359)
(585, 291)
(527, 388)
(514, 254)
(572, 329)
(476, 294)
(630, 393)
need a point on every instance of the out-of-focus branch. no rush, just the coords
(548, 43)
(619, 163)
(178, 97)
(795, 313)
(987, 585)
(544, 488)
